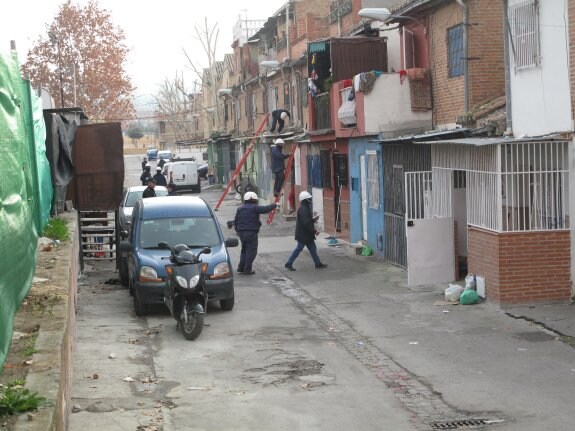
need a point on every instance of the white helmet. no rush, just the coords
(284, 116)
(279, 141)
(158, 168)
(250, 196)
(303, 196)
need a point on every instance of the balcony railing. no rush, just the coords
(322, 111)
(337, 9)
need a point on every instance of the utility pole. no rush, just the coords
(56, 38)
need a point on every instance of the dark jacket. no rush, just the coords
(278, 158)
(149, 193)
(248, 216)
(144, 177)
(304, 228)
(160, 179)
(161, 163)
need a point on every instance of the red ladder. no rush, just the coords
(288, 172)
(241, 162)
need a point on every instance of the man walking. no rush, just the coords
(279, 116)
(160, 178)
(146, 174)
(278, 168)
(149, 191)
(305, 233)
(247, 223)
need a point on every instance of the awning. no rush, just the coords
(318, 46)
(497, 140)
(428, 137)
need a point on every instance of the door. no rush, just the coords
(429, 227)
(363, 175)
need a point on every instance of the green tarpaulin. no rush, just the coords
(25, 191)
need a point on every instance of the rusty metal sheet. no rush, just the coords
(98, 155)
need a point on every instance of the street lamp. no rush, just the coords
(55, 38)
(383, 14)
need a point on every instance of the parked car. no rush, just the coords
(175, 220)
(165, 154)
(203, 171)
(131, 195)
(152, 154)
(184, 174)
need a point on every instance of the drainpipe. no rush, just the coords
(288, 48)
(506, 34)
(465, 54)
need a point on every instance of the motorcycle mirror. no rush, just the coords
(163, 245)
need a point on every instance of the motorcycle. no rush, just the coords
(185, 292)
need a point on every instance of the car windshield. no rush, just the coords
(133, 196)
(192, 231)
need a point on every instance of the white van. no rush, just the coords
(184, 174)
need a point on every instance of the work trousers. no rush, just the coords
(279, 180)
(300, 246)
(249, 251)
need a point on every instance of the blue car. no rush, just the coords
(152, 154)
(176, 220)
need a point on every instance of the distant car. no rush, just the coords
(152, 154)
(176, 220)
(184, 174)
(166, 155)
(131, 195)
(203, 171)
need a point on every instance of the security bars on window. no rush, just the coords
(524, 23)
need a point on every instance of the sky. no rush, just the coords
(156, 32)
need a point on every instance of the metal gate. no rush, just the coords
(398, 159)
(98, 235)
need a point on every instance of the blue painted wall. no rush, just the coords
(375, 225)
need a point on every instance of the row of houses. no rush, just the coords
(438, 132)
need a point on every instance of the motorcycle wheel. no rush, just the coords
(193, 328)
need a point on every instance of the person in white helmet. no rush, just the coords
(278, 168)
(305, 233)
(279, 116)
(247, 223)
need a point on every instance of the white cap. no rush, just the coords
(250, 196)
(284, 116)
(279, 141)
(148, 165)
(303, 196)
(158, 168)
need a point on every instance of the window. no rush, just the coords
(524, 25)
(162, 127)
(373, 180)
(455, 50)
(287, 99)
(325, 169)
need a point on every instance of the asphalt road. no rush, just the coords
(346, 348)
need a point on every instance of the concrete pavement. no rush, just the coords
(443, 362)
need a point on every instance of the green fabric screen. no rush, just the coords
(25, 191)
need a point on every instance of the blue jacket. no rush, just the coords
(248, 216)
(278, 158)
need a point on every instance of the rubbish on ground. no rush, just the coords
(468, 297)
(414, 342)
(366, 250)
(76, 408)
(128, 379)
(446, 311)
(453, 292)
(112, 356)
(470, 282)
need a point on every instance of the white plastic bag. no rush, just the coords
(453, 292)
(470, 282)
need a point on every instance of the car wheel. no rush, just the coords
(131, 286)
(123, 269)
(227, 304)
(139, 308)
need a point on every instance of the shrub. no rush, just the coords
(57, 228)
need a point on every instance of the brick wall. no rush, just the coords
(522, 267)
(486, 67)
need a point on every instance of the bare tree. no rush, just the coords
(175, 106)
(209, 76)
(81, 62)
